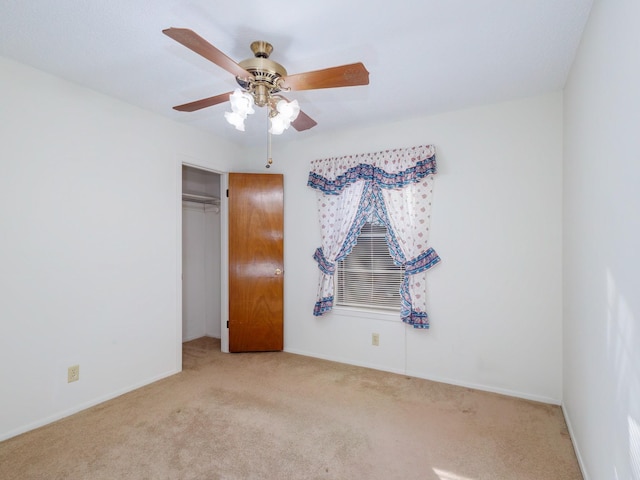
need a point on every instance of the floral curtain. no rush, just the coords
(394, 188)
(337, 214)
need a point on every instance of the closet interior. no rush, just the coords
(201, 254)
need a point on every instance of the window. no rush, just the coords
(367, 277)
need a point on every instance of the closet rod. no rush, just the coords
(192, 197)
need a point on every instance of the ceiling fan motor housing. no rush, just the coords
(265, 73)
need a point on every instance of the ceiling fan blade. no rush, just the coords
(343, 76)
(195, 42)
(204, 103)
(303, 122)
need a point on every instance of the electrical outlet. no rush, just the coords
(375, 339)
(73, 374)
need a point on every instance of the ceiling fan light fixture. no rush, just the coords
(289, 110)
(281, 117)
(278, 125)
(241, 106)
(261, 79)
(241, 102)
(235, 119)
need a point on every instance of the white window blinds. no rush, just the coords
(367, 277)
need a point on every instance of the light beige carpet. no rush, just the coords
(285, 416)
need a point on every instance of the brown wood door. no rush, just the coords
(256, 266)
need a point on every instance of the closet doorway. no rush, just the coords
(201, 254)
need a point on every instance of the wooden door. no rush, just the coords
(256, 267)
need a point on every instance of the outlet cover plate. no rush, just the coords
(73, 373)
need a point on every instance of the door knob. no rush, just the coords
(278, 271)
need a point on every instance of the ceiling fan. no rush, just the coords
(262, 80)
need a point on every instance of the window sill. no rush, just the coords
(364, 313)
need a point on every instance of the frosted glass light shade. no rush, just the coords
(287, 113)
(278, 125)
(235, 119)
(241, 102)
(289, 110)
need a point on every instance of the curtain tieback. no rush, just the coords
(422, 262)
(327, 267)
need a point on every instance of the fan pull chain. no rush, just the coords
(269, 159)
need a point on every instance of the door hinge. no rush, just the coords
(227, 193)
(227, 323)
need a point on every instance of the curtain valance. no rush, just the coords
(393, 187)
(387, 169)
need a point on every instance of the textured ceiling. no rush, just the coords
(424, 56)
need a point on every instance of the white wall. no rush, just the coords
(601, 236)
(495, 300)
(89, 250)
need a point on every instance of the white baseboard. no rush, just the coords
(449, 381)
(345, 361)
(83, 406)
(581, 464)
(488, 388)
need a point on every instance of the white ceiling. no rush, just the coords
(424, 56)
